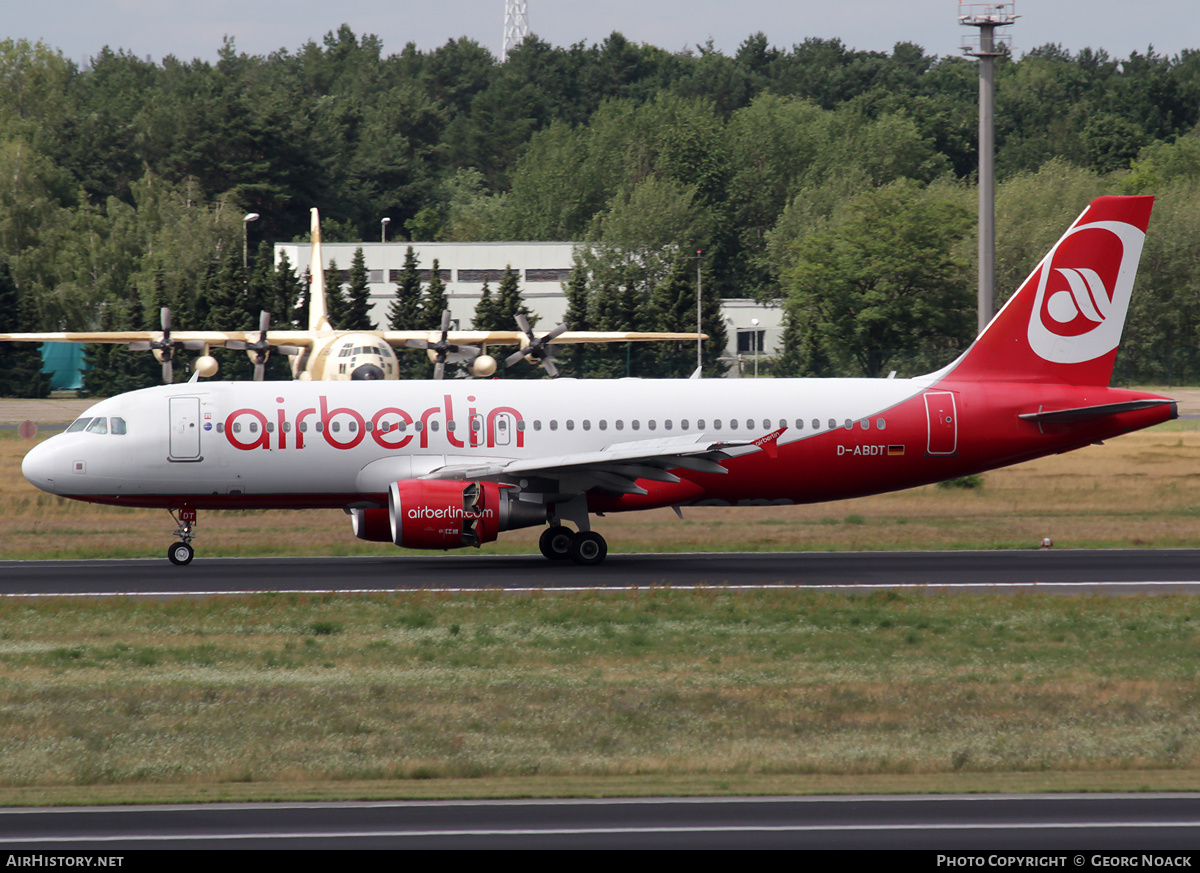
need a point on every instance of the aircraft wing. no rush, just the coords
(213, 338)
(516, 337)
(306, 338)
(616, 467)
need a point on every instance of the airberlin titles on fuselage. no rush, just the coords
(390, 426)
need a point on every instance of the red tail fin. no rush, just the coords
(1064, 323)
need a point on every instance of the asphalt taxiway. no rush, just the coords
(1103, 825)
(1111, 571)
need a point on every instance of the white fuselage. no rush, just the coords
(339, 439)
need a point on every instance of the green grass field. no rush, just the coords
(657, 691)
(651, 692)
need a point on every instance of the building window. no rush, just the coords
(561, 275)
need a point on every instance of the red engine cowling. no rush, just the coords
(432, 514)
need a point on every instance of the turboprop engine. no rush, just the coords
(424, 514)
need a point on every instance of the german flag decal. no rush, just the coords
(895, 450)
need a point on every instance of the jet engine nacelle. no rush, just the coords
(431, 514)
(372, 524)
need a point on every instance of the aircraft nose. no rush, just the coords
(366, 372)
(38, 467)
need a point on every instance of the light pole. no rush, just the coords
(699, 297)
(383, 223)
(987, 17)
(754, 323)
(250, 216)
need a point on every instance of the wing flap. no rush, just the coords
(613, 468)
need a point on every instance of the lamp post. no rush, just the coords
(987, 17)
(383, 223)
(754, 323)
(250, 216)
(699, 297)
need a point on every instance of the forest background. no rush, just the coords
(838, 182)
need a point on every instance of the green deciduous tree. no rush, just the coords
(884, 281)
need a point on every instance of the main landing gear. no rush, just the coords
(559, 543)
(181, 553)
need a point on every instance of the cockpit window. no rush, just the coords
(78, 425)
(118, 426)
(98, 425)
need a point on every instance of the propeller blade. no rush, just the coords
(168, 370)
(140, 346)
(238, 345)
(260, 370)
(439, 370)
(288, 350)
(548, 366)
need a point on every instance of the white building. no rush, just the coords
(544, 268)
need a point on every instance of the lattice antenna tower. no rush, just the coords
(987, 45)
(516, 25)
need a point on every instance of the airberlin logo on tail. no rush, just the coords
(1083, 292)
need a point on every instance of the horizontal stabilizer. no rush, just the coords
(1088, 413)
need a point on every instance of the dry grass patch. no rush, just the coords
(1136, 491)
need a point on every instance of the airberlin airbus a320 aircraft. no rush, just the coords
(441, 465)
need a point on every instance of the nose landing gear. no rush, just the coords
(181, 553)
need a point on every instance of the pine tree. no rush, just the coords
(286, 291)
(358, 296)
(405, 311)
(20, 363)
(405, 314)
(258, 286)
(509, 303)
(336, 307)
(617, 308)
(227, 310)
(434, 302)
(574, 359)
(487, 314)
(672, 308)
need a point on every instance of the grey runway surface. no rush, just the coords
(1073, 823)
(1060, 571)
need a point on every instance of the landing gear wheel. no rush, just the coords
(588, 548)
(555, 543)
(180, 554)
